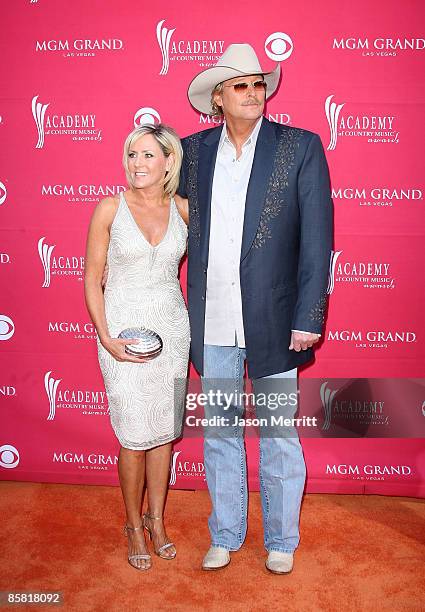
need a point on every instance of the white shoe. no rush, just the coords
(216, 558)
(280, 562)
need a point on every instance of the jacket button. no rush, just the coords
(203, 298)
(205, 270)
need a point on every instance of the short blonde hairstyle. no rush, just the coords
(169, 142)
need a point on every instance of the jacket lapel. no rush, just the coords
(207, 157)
(257, 187)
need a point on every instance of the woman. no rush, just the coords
(141, 235)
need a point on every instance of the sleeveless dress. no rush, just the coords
(146, 400)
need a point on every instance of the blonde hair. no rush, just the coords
(169, 142)
(217, 110)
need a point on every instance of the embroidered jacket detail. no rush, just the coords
(317, 313)
(283, 163)
(192, 157)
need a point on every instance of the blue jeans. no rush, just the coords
(281, 467)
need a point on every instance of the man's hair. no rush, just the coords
(217, 110)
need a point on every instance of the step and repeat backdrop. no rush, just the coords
(77, 77)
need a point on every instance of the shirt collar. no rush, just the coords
(252, 140)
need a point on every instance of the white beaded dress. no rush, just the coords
(146, 400)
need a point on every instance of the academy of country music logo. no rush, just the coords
(340, 410)
(79, 194)
(89, 401)
(79, 127)
(375, 339)
(380, 46)
(77, 330)
(9, 456)
(369, 471)
(7, 327)
(3, 193)
(282, 118)
(204, 52)
(94, 461)
(185, 468)
(79, 47)
(278, 46)
(146, 115)
(66, 266)
(380, 197)
(373, 128)
(366, 274)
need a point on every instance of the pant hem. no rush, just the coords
(282, 550)
(225, 546)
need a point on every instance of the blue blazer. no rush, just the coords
(286, 242)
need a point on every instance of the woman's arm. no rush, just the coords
(96, 253)
(183, 207)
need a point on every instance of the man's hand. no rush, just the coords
(301, 341)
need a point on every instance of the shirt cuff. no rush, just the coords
(305, 332)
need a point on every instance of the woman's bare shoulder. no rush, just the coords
(105, 211)
(110, 203)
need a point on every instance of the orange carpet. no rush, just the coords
(358, 553)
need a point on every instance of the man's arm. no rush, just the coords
(316, 233)
(181, 189)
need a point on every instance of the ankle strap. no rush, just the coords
(128, 528)
(152, 518)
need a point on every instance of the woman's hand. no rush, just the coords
(116, 348)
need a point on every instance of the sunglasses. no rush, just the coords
(243, 87)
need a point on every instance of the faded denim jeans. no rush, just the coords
(281, 467)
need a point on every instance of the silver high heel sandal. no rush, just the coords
(134, 560)
(165, 546)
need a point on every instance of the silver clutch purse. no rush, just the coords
(149, 346)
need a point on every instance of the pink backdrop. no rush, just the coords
(77, 77)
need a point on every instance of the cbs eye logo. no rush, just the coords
(3, 193)
(278, 46)
(7, 327)
(9, 456)
(145, 116)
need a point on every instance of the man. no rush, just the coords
(260, 236)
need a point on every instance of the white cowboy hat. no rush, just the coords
(237, 60)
